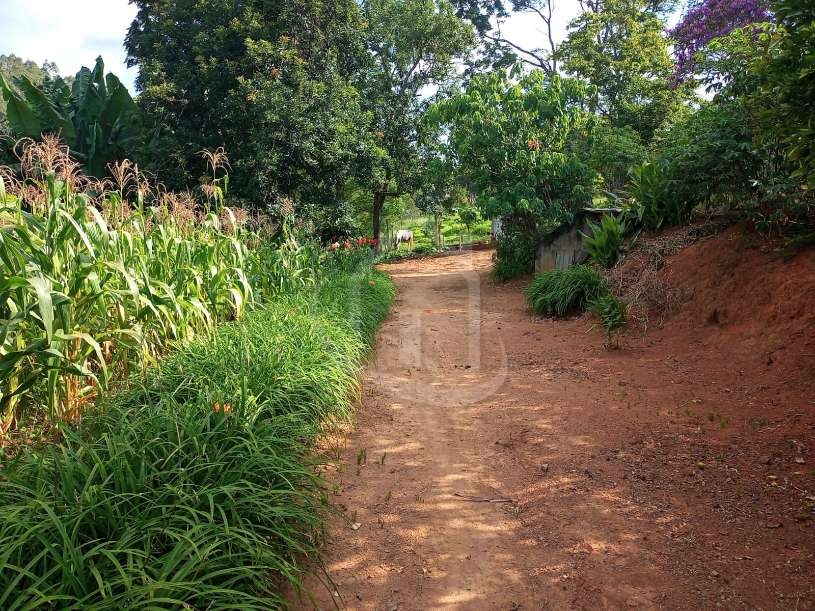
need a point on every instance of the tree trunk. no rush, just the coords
(376, 214)
(437, 220)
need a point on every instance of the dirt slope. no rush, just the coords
(748, 299)
(663, 475)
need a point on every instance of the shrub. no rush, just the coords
(559, 292)
(611, 313)
(514, 255)
(611, 151)
(710, 155)
(468, 216)
(194, 489)
(606, 240)
(399, 255)
(514, 144)
(786, 95)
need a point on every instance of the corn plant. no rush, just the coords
(95, 288)
(611, 312)
(195, 489)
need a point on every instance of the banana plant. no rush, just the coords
(96, 117)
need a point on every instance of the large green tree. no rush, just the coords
(414, 44)
(621, 48)
(268, 80)
(512, 140)
(500, 48)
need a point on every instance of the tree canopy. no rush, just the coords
(413, 44)
(622, 49)
(345, 111)
(269, 81)
(511, 140)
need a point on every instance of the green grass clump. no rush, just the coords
(195, 487)
(611, 312)
(560, 292)
(402, 254)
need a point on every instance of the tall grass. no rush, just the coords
(194, 488)
(98, 279)
(560, 292)
(192, 485)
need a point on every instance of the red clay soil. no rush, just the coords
(505, 462)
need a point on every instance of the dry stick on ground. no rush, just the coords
(477, 499)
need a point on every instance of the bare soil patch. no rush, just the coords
(505, 462)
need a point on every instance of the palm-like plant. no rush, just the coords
(605, 241)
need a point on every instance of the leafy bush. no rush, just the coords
(751, 146)
(612, 151)
(452, 230)
(606, 240)
(515, 253)
(560, 292)
(786, 95)
(514, 143)
(468, 216)
(194, 489)
(612, 314)
(399, 255)
(710, 155)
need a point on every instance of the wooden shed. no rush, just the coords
(564, 247)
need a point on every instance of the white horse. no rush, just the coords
(404, 235)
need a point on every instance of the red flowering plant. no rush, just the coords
(351, 252)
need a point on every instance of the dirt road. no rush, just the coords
(502, 462)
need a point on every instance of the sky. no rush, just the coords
(527, 29)
(72, 33)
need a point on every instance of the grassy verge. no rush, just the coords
(195, 487)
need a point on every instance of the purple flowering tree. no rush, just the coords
(708, 19)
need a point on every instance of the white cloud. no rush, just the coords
(71, 33)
